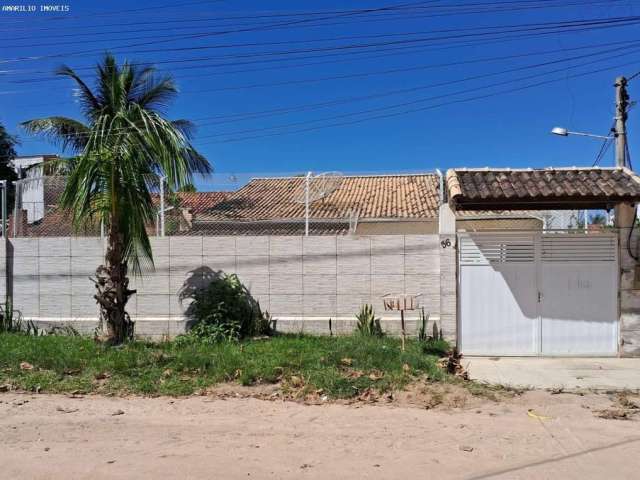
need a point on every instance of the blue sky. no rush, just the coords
(508, 130)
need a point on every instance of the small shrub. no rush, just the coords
(66, 330)
(213, 333)
(11, 321)
(436, 346)
(368, 325)
(422, 330)
(224, 310)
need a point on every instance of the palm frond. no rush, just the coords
(186, 127)
(62, 131)
(89, 103)
(154, 93)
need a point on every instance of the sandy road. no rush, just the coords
(57, 437)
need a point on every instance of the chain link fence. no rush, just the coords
(34, 209)
(278, 204)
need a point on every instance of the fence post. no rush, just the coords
(16, 200)
(162, 206)
(4, 208)
(306, 204)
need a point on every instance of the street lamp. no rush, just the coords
(563, 132)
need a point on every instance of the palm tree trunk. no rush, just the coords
(113, 292)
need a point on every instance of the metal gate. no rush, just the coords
(538, 293)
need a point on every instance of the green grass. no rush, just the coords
(339, 367)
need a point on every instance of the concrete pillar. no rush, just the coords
(629, 281)
(448, 274)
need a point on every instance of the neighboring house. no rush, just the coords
(182, 207)
(39, 213)
(362, 204)
(359, 204)
(32, 192)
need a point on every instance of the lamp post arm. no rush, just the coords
(592, 135)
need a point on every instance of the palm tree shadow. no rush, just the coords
(201, 279)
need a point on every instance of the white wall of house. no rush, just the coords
(31, 189)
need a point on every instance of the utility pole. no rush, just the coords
(620, 132)
(625, 214)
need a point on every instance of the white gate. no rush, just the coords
(538, 294)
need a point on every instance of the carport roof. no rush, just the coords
(548, 188)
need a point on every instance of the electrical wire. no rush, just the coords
(94, 35)
(266, 27)
(405, 112)
(429, 86)
(545, 4)
(341, 51)
(437, 97)
(551, 28)
(413, 102)
(606, 144)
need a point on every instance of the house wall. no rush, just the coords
(301, 281)
(397, 228)
(629, 295)
(499, 224)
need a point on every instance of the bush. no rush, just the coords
(436, 346)
(11, 321)
(224, 310)
(368, 325)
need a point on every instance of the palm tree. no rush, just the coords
(7, 154)
(124, 143)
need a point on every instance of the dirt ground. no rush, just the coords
(445, 434)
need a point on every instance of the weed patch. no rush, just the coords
(336, 367)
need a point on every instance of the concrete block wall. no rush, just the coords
(448, 287)
(301, 281)
(629, 296)
(48, 278)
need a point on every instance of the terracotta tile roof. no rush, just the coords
(198, 202)
(195, 201)
(383, 196)
(54, 223)
(541, 188)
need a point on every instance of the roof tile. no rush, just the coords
(563, 185)
(384, 196)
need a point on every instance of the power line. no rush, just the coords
(602, 152)
(551, 28)
(406, 112)
(396, 70)
(116, 132)
(422, 100)
(94, 35)
(631, 77)
(579, 23)
(106, 13)
(216, 33)
(288, 66)
(536, 4)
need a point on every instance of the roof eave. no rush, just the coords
(547, 203)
